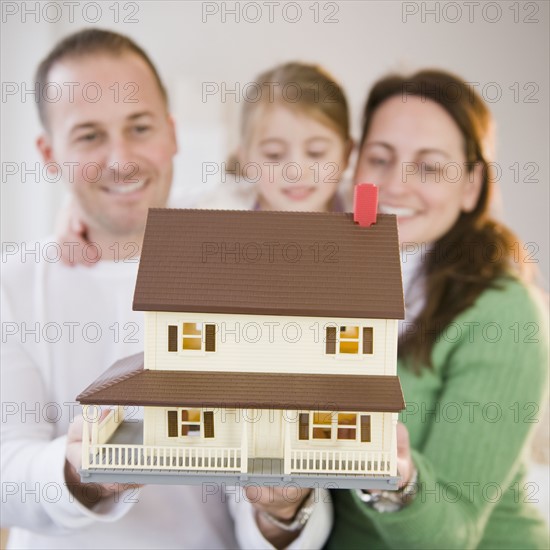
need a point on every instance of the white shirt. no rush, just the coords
(61, 328)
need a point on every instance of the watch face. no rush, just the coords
(384, 501)
(368, 497)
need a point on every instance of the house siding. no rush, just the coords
(243, 344)
(390, 353)
(228, 426)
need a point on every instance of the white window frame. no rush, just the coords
(181, 336)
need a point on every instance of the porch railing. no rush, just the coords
(338, 461)
(164, 458)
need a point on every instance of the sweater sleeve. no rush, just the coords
(493, 381)
(35, 495)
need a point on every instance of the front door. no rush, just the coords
(268, 434)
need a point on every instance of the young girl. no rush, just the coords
(473, 387)
(294, 145)
(294, 148)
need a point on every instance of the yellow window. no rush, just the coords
(322, 425)
(192, 336)
(322, 418)
(190, 422)
(349, 339)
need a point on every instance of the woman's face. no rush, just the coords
(414, 153)
(296, 161)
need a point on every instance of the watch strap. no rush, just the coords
(300, 518)
(391, 501)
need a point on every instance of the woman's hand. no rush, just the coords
(405, 464)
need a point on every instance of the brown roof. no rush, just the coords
(127, 383)
(270, 263)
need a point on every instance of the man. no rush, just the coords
(112, 136)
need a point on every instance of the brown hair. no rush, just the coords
(454, 281)
(84, 43)
(300, 86)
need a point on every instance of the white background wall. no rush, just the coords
(502, 45)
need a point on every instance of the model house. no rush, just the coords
(270, 352)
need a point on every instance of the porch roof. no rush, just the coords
(128, 383)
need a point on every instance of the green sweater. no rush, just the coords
(469, 421)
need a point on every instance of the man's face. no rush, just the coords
(113, 140)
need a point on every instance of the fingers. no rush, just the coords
(403, 441)
(405, 463)
(77, 227)
(71, 234)
(75, 429)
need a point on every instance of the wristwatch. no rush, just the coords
(391, 501)
(299, 520)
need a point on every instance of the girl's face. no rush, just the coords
(296, 161)
(414, 153)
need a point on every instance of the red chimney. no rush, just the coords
(365, 204)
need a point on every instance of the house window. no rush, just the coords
(322, 425)
(349, 340)
(347, 426)
(187, 423)
(341, 426)
(194, 337)
(191, 336)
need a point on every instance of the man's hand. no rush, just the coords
(87, 494)
(71, 235)
(282, 503)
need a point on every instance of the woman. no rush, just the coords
(473, 351)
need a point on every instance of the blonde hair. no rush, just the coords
(305, 88)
